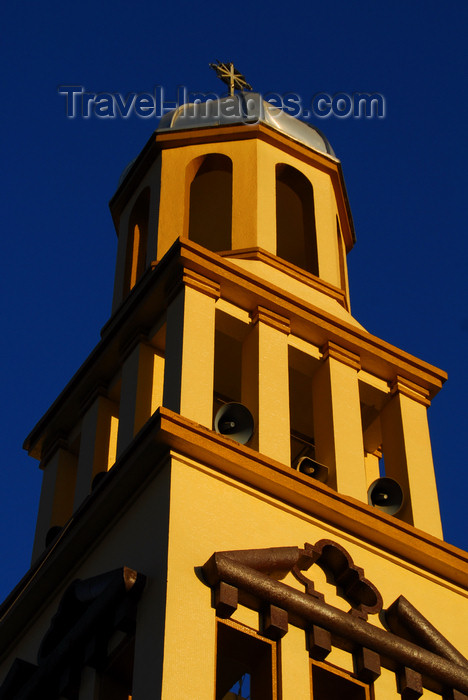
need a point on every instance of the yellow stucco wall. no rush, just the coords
(207, 512)
(224, 516)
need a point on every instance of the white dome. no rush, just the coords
(244, 108)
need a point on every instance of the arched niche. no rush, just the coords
(210, 201)
(137, 240)
(295, 219)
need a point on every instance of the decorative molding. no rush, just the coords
(203, 284)
(274, 622)
(148, 301)
(410, 684)
(319, 642)
(363, 596)
(367, 664)
(59, 443)
(100, 391)
(289, 269)
(255, 574)
(89, 612)
(270, 318)
(194, 280)
(167, 431)
(404, 620)
(139, 337)
(347, 357)
(400, 385)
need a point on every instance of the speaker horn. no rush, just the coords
(52, 533)
(235, 421)
(386, 495)
(308, 466)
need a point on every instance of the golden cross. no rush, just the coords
(231, 76)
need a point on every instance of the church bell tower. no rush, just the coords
(238, 495)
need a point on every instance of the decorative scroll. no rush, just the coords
(403, 619)
(350, 580)
(256, 575)
(89, 612)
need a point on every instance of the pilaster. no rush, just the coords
(265, 383)
(190, 345)
(337, 421)
(58, 487)
(97, 453)
(136, 390)
(408, 454)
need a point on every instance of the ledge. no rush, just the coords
(147, 303)
(289, 269)
(145, 457)
(159, 141)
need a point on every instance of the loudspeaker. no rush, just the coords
(386, 495)
(308, 466)
(97, 479)
(52, 533)
(235, 421)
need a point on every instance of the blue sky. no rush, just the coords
(405, 175)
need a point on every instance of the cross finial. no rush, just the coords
(231, 76)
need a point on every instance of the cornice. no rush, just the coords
(238, 132)
(262, 315)
(188, 263)
(403, 386)
(341, 354)
(167, 431)
(311, 322)
(314, 498)
(194, 280)
(289, 269)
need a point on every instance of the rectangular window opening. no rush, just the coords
(246, 665)
(333, 684)
(116, 680)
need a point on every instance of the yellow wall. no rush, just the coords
(208, 513)
(225, 516)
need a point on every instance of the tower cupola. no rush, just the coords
(243, 179)
(231, 286)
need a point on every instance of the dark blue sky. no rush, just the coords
(405, 174)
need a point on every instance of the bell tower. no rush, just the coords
(238, 497)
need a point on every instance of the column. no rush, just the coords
(337, 421)
(408, 455)
(190, 340)
(136, 390)
(265, 383)
(95, 442)
(58, 487)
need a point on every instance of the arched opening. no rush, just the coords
(137, 241)
(211, 203)
(295, 219)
